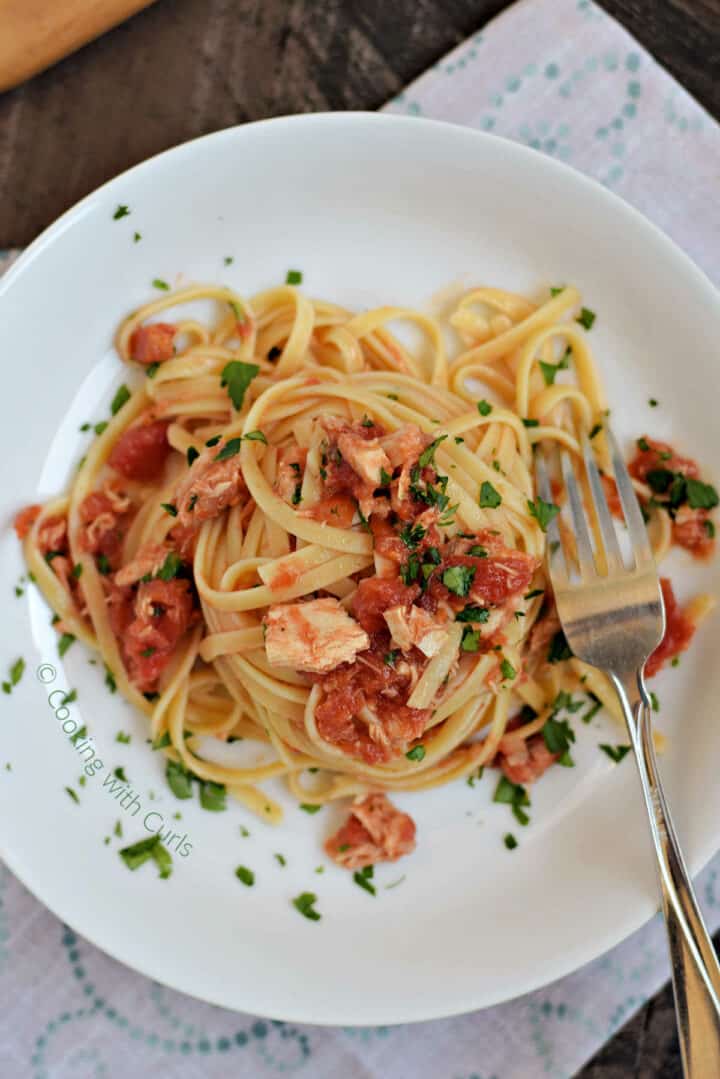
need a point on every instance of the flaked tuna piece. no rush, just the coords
(374, 832)
(316, 636)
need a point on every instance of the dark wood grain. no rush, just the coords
(185, 67)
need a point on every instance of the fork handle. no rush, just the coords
(695, 968)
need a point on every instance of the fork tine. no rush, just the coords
(613, 557)
(559, 570)
(583, 543)
(630, 505)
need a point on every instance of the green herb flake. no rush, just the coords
(179, 779)
(123, 738)
(543, 512)
(118, 830)
(228, 260)
(192, 455)
(427, 456)
(169, 508)
(122, 211)
(255, 436)
(615, 753)
(510, 841)
(473, 614)
(514, 795)
(653, 402)
(555, 290)
(595, 431)
(280, 859)
(654, 702)
(489, 497)
(213, 796)
(170, 567)
(110, 680)
(363, 878)
(559, 648)
(484, 407)
(507, 670)
(237, 376)
(458, 579)
(160, 284)
(417, 753)
(586, 318)
(531, 423)
(245, 875)
(137, 237)
(308, 807)
(122, 396)
(65, 642)
(700, 496)
(230, 449)
(73, 795)
(470, 640)
(305, 903)
(293, 277)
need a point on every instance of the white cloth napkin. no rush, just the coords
(562, 76)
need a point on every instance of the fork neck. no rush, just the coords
(631, 687)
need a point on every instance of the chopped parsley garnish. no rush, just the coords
(558, 736)
(470, 640)
(137, 237)
(412, 535)
(385, 478)
(363, 878)
(305, 903)
(73, 795)
(410, 570)
(390, 658)
(417, 753)
(428, 454)
(280, 859)
(510, 841)
(458, 579)
(709, 527)
(110, 680)
(293, 277)
(514, 795)
(245, 875)
(118, 829)
(119, 773)
(169, 508)
(123, 738)
(228, 260)
(65, 642)
(15, 674)
(147, 652)
(542, 511)
(530, 423)
(507, 670)
(700, 496)
(170, 567)
(122, 396)
(615, 753)
(654, 702)
(85, 427)
(643, 444)
(308, 807)
(478, 551)
(653, 402)
(100, 427)
(555, 290)
(179, 779)
(192, 455)
(237, 376)
(213, 441)
(141, 852)
(473, 614)
(559, 648)
(475, 777)
(230, 449)
(593, 709)
(213, 796)
(122, 211)
(297, 495)
(255, 436)
(535, 592)
(161, 741)
(489, 497)
(586, 318)
(484, 407)
(550, 370)
(160, 284)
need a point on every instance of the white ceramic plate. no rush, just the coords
(373, 210)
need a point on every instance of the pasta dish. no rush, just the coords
(313, 533)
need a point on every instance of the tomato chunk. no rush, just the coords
(25, 519)
(153, 343)
(679, 630)
(141, 452)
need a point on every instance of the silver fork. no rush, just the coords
(614, 620)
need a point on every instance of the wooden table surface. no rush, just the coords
(186, 67)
